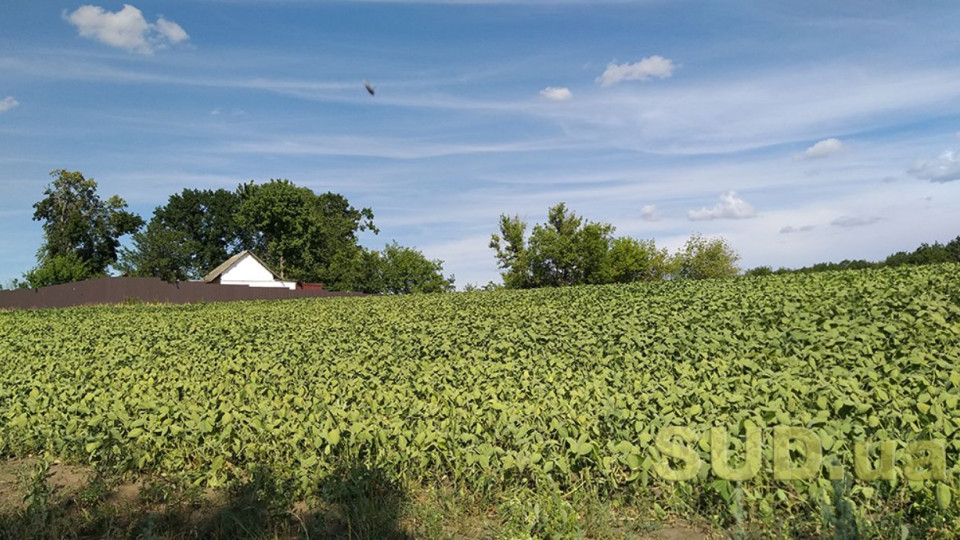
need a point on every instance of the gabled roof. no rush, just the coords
(225, 265)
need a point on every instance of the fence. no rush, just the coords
(116, 290)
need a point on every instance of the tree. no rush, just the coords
(490, 286)
(927, 254)
(759, 271)
(15, 283)
(304, 236)
(569, 250)
(395, 270)
(188, 237)
(279, 218)
(702, 258)
(406, 270)
(566, 250)
(357, 270)
(631, 260)
(206, 221)
(512, 254)
(297, 232)
(338, 224)
(77, 222)
(953, 248)
(160, 252)
(58, 269)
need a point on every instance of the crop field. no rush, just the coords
(522, 401)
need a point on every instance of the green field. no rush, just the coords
(536, 407)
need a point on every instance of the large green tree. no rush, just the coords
(159, 252)
(512, 255)
(406, 270)
(357, 269)
(300, 233)
(187, 237)
(56, 270)
(566, 250)
(703, 258)
(631, 260)
(394, 270)
(207, 219)
(569, 250)
(79, 226)
(563, 251)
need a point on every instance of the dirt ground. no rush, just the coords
(71, 492)
(64, 482)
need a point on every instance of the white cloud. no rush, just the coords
(854, 221)
(171, 30)
(652, 66)
(8, 103)
(790, 229)
(729, 207)
(125, 29)
(823, 149)
(945, 168)
(648, 212)
(556, 94)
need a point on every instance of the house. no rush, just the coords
(245, 268)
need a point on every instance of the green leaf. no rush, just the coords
(944, 495)
(333, 437)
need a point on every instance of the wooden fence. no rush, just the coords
(116, 290)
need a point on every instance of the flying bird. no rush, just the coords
(366, 84)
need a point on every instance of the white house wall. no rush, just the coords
(247, 271)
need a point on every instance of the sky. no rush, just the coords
(800, 131)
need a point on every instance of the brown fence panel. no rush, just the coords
(115, 290)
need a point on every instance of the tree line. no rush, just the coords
(310, 237)
(570, 250)
(935, 253)
(305, 236)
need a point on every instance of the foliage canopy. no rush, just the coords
(79, 226)
(569, 250)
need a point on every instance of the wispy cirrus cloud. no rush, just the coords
(772, 107)
(690, 117)
(386, 147)
(650, 67)
(730, 207)
(125, 29)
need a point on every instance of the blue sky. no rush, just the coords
(800, 131)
